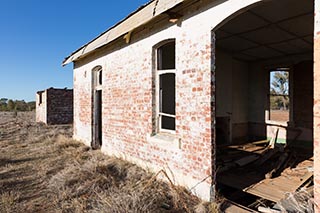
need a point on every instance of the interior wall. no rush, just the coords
(301, 83)
(302, 110)
(258, 78)
(240, 101)
(303, 94)
(232, 94)
(223, 84)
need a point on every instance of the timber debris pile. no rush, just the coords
(267, 176)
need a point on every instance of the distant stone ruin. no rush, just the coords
(54, 106)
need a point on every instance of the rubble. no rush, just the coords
(275, 177)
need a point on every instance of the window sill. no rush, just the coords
(165, 141)
(281, 123)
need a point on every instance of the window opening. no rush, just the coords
(166, 87)
(40, 98)
(99, 77)
(279, 99)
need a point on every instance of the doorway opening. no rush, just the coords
(97, 108)
(258, 156)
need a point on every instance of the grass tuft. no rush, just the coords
(43, 170)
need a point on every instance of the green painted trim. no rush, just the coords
(296, 143)
(279, 140)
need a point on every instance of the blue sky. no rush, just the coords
(36, 35)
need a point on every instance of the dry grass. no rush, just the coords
(300, 201)
(43, 170)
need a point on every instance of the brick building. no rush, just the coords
(54, 106)
(176, 80)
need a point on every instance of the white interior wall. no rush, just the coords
(258, 99)
(232, 92)
(240, 91)
(259, 83)
(224, 84)
(258, 78)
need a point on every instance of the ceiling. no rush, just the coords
(273, 29)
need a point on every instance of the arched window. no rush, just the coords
(96, 107)
(97, 77)
(166, 86)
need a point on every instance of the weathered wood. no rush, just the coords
(246, 160)
(274, 139)
(267, 210)
(276, 189)
(261, 142)
(266, 156)
(129, 24)
(281, 161)
(230, 207)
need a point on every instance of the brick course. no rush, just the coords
(316, 109)
(56, 106)
(128, 101)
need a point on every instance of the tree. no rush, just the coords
(21, 105)
(3, 100)
(17, 105)
(3, 104)
(31, 105)
(279, 90)
(11, 105)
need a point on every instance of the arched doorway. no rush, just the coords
(256, 139)
(96, 108)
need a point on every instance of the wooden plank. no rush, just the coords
(230, 207)
(276, 189)
(130, 23)
(267, 210)
(246, 160)
(261, 142)
(269, 190)
(266, 156)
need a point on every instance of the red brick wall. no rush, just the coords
(59, 106)
(82, 105)
(128, 108)
(128, 104)
(317, 120)
(317, 107)
(56, 106)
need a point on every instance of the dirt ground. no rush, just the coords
(43, 170)
(279, 115)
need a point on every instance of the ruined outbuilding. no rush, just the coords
(180, 85)
(54, 106)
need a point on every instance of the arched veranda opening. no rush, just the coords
(263, 132)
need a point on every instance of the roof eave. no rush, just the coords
(140, 17)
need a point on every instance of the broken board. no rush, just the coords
(288, 182)
(231, 207)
